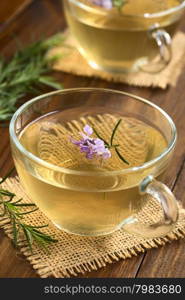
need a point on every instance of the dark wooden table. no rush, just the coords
(39, 18)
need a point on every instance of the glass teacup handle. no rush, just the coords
(162, 194)
(163, 41)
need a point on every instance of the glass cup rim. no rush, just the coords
(48, 165)
(146, 15)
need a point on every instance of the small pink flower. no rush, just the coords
(93, 147)
(88, 130)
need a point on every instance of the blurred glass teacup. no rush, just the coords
(133, 36)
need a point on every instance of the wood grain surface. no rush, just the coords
(44, 18)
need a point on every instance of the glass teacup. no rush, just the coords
(95, 195)
(135, 37)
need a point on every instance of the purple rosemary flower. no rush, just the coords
(92, 147)
(107, 4)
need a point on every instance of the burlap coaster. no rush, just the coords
(73, 255)
(71, 61)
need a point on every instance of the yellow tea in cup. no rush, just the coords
(95, 182)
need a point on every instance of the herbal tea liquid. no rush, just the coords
(114, 40)
(86, 203)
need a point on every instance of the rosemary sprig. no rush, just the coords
(24, 73)
(14, 210)
(111, 144)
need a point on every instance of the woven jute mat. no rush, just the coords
(71, 61)
(74, 255)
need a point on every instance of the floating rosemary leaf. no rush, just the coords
(25, 73)
(120, 156)
(97, 134)
(114, 131)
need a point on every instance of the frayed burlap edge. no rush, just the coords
(44, 270)
(71, 61)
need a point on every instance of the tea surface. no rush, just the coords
(49, 139)
(88, 204)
